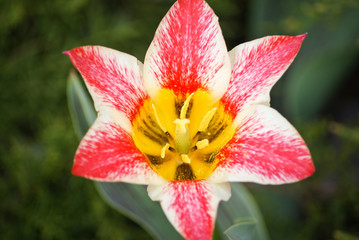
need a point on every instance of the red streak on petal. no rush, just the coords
(109, 154)
(257, 68)
(113, 83)
(273, 153)
(184, 46)
(191, 204)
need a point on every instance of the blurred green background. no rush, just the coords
(40, 199)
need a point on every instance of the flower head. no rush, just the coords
(190, 119)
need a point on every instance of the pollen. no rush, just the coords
(185, 158)
(182, 135)
(202, 144)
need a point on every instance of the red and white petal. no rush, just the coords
(265, 149)
(257, 66)
(113, 78)
(107, 153)
(188, 52)
(191, 206)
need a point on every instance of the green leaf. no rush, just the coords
(133, 201)
(241, 206)
(81, 107)
(313, 81)
(340, 235)
(129, 199)
(244, 229)
(326, 57)
(329, 52)
(350, 133)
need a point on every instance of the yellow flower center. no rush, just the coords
(181, 136)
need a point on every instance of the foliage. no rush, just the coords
(40, 199)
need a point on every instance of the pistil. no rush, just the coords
(182, 137)
(186, 150)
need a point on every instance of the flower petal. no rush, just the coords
(112, 77)
(191, 206)
(265, 149)
(107, 153)
(257, 66)
(188, 52)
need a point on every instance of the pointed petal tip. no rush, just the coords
(311, 169)
(66, 53)
(302, 36)
(181, 1)
(78, 171)
(309, 172)
(75, 171)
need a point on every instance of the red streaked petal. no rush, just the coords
(188, 52)
(265, 149)
(112, 77)
(107, 153)
(191, 206)
(257, 66)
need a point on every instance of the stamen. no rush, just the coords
(158, 120)
(206, 119)
(202, 144)
(181, 136)
(185, 107)
(185, 158)
(164, 149)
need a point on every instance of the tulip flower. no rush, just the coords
(190, 119)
